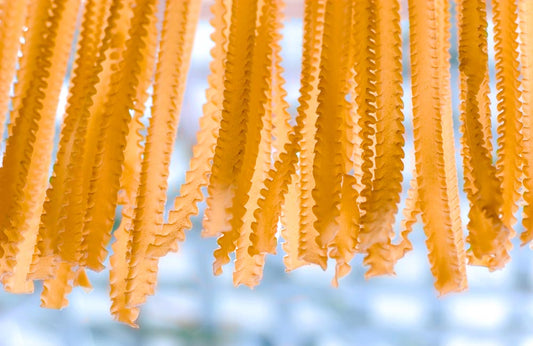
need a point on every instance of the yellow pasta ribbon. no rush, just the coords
(249, 268)
(228, 155)
(345, 243)
(509, 164)
(430, 135)
(364, 61)
(311, 55)
(328, 161)
(291, 226)
(526, 38)
(382, 203)
(230, 151)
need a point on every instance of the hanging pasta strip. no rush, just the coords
(249, 268)
(176, 45)
(13, 14)
(281, 117)
(354, 137)
(118, 272)
(254, 113)
(197, 177)
(311, 55)
(355, 148)
(24, 66)
(308, 249)
(444, 255)
(105, 181)
(109, 55)
(265, 226)
(129, 182)
(227, 160)
(410, 213)
(509, 113)
(365, 96)
(275, 135)
(328, 164)
(290, 213)
(345, 243)
(486, 230)
(55, 290)
(134, 147)
(452, 185)
(56, 222)
(28, 151)
(349, 119)
(382, 202)
(291, 226)
(526, 39)
(472, 27)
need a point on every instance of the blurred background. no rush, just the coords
(192, 307)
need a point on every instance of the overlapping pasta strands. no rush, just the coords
(487, 232)
(254, 114)
(509, 164)
(327, 182)
(282, 130)
(129, 182)
(197, 177)
(344, 244)
(430, 137)
(28, 153)
(249, 267)
(228, 154)
(275, 135)
(264, 228)
(118, 18)
(60, 230)
(180, 17)
(120, 101)
(232, 139)
(42, 155)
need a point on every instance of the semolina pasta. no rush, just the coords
(325, 185)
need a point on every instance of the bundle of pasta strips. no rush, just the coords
(327, 181)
